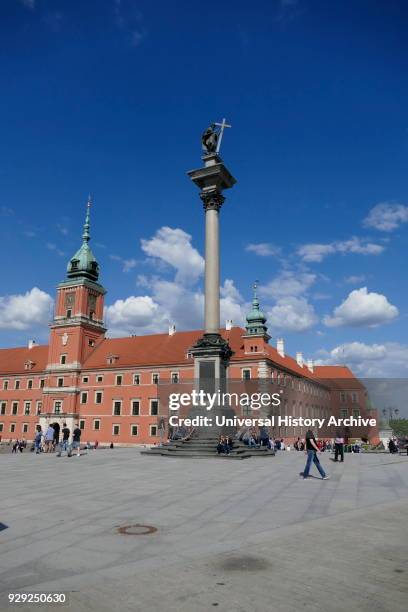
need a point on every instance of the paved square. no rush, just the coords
(237, 535)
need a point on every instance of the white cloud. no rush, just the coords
(63, 229)
(355, 279)
(386, 216)
(288, 283)
(133, 314)
(25, 311)
(316, 252)
(53, 247)
(362, 308)
(173, 247)
(370, 360)
(127, 264)
(264, 249)
(292, 314)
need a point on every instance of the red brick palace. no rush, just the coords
(111, 386)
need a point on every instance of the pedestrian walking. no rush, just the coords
(38, 439)
(64, 444)
(49, 439)
(76, 440)
(311, 451)
(339, 447)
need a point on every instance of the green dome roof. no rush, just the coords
(256, 319)
(83, 264)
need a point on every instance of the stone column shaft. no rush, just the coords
(212, 272)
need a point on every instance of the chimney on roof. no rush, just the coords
(172, 330)
(31, 344)
(228, 324)
(299, 359)
(280, 347)
(310, 365)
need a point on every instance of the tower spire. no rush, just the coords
(83, 264)
(256, 320)
(86, 235)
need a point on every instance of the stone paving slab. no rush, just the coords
(238, 535)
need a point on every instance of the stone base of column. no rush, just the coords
(211, 357)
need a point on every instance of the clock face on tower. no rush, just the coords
(69, 300)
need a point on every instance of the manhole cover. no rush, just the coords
(136, 529)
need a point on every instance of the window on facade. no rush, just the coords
(136, 379)
(98, 397)
(25, 427)
(99, 378)
(135, 407)
(91, 342)
(356, 413)
(85, 379)
(246, 410)
(342, 397)
(84, 397)
(343, 413)
(117, 407)
(57, 407)
(14, 408)
(1, 427)
(60, 382)
(5, 385)
(115, 430)
(63, 359)
(96, 424)
(69, 313)
(133, 430)
(154, 407)
(29, 384)
(27, 407)
(81, 424)
(38, 407)
(42, 383)
(3, 407)
(246, 374)
(12, 427)
(175, 377)
(155, 378)
(354, 398)
(119, 379)
(153, 430)
(16, 384)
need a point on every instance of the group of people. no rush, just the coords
(50, 441)
(225, 445)
(19, 445)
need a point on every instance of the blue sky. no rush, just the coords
(111, 98)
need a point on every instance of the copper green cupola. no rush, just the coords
(83, 264)
(256, 320)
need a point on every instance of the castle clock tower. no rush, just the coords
(76, 329)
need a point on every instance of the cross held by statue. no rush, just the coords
(222, 126)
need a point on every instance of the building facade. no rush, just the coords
(117, 389)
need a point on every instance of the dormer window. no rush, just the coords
(111, 359)
(74, 264)
(29, 365)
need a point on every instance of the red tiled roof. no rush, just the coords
(12, 361)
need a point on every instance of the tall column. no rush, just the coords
(212, 205)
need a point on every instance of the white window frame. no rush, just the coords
(139, 376)
(151, 400)
(101, 394)
(119, 401)
(94, 423)
(117, 376)
(135, 399)
(113, 429)
(24, 428)
(246, 370)
(158, 377)
(137, 429)
(27, 403)
(150, 430)
(176, 373)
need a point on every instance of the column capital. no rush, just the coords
(212, 200)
